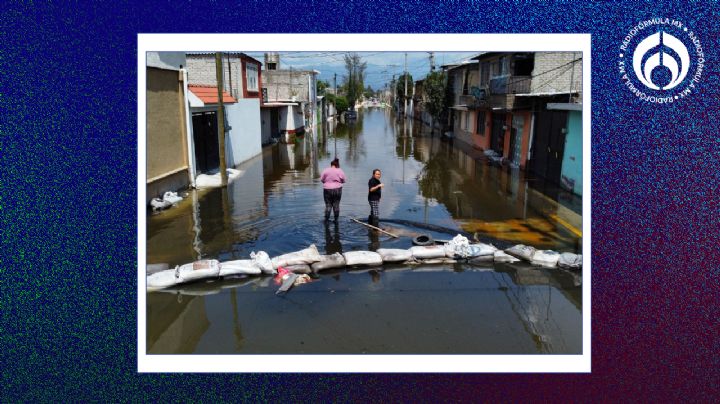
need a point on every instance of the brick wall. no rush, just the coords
(201, 71)
(556, 72)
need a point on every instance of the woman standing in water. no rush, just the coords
(374, 194)
(333, 179)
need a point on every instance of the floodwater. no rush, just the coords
(432, 187)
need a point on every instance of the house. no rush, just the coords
(556, 96)
(462, 79)
(288, 110)
(167, 127)
(525, 104)
(242, 99)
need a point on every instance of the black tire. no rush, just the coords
(423, 240)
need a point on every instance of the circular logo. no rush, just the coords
(661, 61)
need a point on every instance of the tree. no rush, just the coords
(400, 86)
(369, 92)
(341, 104)
(355, 77)
(435, 95)
(321, 86)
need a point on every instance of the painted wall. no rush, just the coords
(572, 158)
(244, 140)
(166, 141)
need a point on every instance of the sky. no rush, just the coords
(381, 66)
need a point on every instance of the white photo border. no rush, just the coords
(364, 363)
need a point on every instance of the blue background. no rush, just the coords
(68, 93)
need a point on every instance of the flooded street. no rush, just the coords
(431, 187)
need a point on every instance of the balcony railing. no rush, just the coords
(510, 85)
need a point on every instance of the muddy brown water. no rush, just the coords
(432, 187)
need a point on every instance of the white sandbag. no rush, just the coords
(546, 258)
(214, 180)
(201, 269)
(328, 262)
(439, 261)
(394, 254)
(159, 204)
(154, 268)
(521, 251)
(299, 268)
(308, 256)
(427, 252)
(172, 197)
(362, 258)
(262, 261)
(239, 267)
(501, 256)
(161, 280)
(480, 249)
(457, 247)
(570, 260)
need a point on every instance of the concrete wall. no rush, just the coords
(281, 83)
(290, 119)
(166, 137)
(244, 140)
(566, 76)
(573, 155)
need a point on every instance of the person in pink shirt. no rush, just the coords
(333, 179)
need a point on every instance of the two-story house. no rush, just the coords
(288, 110)
(242, 98)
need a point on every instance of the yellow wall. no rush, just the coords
(166, 139)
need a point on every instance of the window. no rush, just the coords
(251, 71)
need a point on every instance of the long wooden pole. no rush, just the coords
(221, 118)
(373, 227)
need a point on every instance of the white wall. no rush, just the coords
(166, 60)
(244, 140)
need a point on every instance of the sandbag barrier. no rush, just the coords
(309, 260)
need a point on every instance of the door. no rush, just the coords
(205, 136)
(497, 139)
(518, 124)
(549, 144)
(274, 132)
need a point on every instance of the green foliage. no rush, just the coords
(435, 87)
(321, 86)
(355, 77)
(369, 92)
(341, 104)
(400, 86)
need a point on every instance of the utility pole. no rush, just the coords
(406, 74)
(432, 61)
(335, 84)
(221, 118)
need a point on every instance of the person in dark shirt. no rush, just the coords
(374, 193)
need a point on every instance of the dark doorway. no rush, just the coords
(274, 132)
(497, 139)
(549, 144)
(205, 136)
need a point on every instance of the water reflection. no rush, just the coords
(276, 206)
(540, 313)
